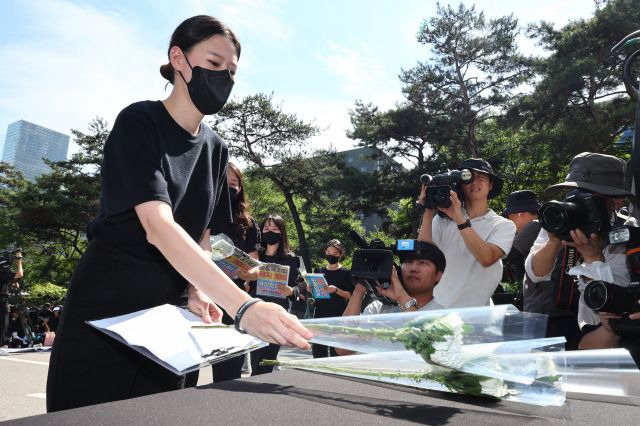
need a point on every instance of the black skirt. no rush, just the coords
(88, 367)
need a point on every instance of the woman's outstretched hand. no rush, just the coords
(271, 323)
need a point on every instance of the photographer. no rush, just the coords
(8, 278)
(472, 236)
(601, 177)
(420, 271)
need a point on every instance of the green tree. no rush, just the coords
(55, 210)
(471, 75)
(12, 184)
(42, 293)
(260, 134)
(579, 103)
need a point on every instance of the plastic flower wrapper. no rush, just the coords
(230, 258)
(489, 359)
(437, 336)
(221, 246)
(600, 371)
(406, 368)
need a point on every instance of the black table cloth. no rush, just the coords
(296, 397)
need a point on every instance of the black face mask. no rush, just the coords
(271, 237)
(233, 194)
(208, 89)
(332, 259)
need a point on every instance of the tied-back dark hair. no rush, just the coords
(283, 247)
(242, 219)
(192, 31)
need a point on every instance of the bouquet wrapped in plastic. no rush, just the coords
(493, 351)
(453, 338)
(414, 330)
(604, 372)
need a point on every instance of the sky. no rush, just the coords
(66, 62)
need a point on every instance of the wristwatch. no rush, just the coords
(411, 303)
(466, 224)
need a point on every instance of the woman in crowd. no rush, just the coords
(245, 235)
(275, 249)
(163, 188)
(340, 289)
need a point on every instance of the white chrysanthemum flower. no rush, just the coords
(454, 321)
(545, 367)
(449, 352)
(494, 387)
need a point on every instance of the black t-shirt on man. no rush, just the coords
(147, 157)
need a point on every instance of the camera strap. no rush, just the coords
(565, 286)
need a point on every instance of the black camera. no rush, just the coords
(579, 210)
(372, 263)
(601, 296)
(7, 257)
(607, 297)
(440, 187)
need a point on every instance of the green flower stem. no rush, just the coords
(418, 335)
(455, 381)
(380, 333)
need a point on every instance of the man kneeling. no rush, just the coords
(420, 272)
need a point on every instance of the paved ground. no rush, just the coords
(23, 379)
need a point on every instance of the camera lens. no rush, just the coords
(426, 179)
(595, 295)
(607, 297)
(553, 217)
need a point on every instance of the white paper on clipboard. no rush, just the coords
(166, 335)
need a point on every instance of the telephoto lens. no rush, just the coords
(560, 217)
(606, 297)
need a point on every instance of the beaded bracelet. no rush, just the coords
(241, 310)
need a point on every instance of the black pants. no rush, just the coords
(87, 366)
(268, 352)
(567, 326)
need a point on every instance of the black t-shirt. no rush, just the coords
(248, 244)
(522, 243)
(15, 326)
(148, 157)
(335, 306)
(288, 259)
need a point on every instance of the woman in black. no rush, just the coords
(340, 289)
(245, 235)
(164, 186)
(275, 249)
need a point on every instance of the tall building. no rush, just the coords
(26, 144)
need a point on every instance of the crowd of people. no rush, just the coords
(31, 326)
(168, 186)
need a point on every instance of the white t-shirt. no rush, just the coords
(465, 281)
(377, 307)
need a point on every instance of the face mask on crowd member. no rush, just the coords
(271, 237)
(334, 251)
(208, 89)
(332, 259)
